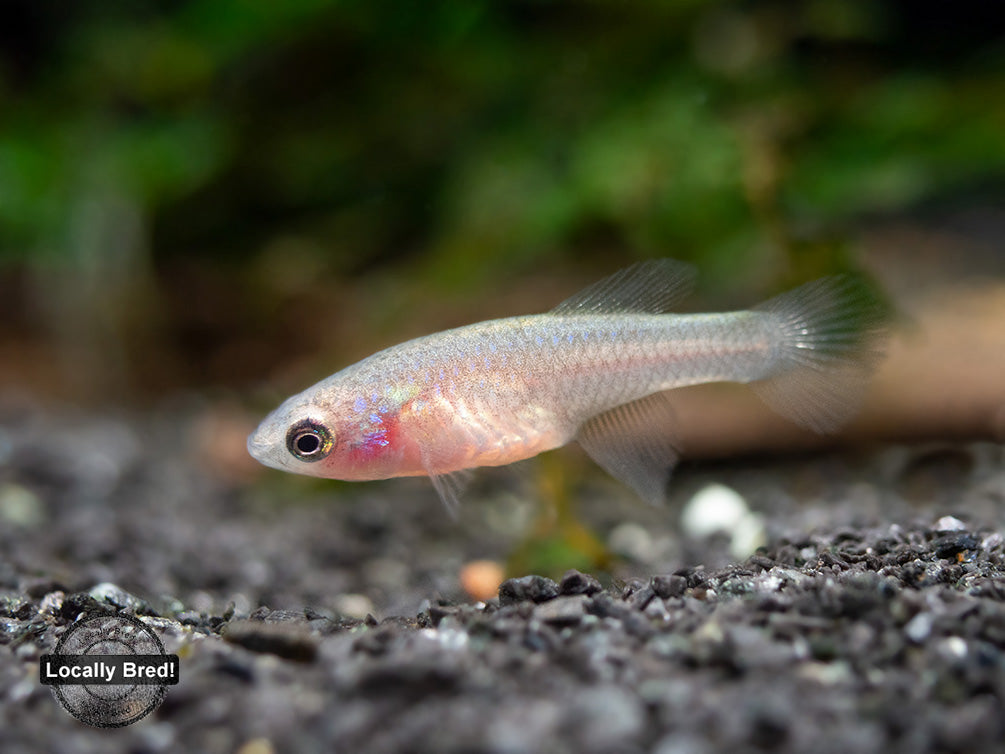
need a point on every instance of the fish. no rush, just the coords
(600, 368)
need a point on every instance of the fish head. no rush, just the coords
(329, 432)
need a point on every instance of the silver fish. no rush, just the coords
(596, 369)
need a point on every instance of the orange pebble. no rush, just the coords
(481, 579)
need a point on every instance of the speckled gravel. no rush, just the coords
(314, 617)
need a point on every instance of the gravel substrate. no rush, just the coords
(322, 617)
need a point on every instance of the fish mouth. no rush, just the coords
(262, 447)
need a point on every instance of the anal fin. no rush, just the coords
(635, 443)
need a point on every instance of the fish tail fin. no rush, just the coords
(831, 333)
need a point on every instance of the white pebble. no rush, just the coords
(748, 535)
(20, 506)
(632, 541)
(714, 508)
(949, 523)
(353, 605)
(919, 627)
(953, 647)
(453, 639)
(717, 508)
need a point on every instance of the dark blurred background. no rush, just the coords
(236, 197)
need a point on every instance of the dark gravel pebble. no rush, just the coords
(954, 544)
(562, 611)
(291, 641)
(334, 623)
(575, 582)
(532, 588)
(82, 603)
(669, 586)
(15, 605)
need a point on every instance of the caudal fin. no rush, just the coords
(831, 337)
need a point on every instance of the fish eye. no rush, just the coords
(309, 440)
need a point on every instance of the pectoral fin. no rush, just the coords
(635, 443)
(449, 487)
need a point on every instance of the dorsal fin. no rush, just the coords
(652, 287)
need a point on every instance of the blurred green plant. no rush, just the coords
(445, 145)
